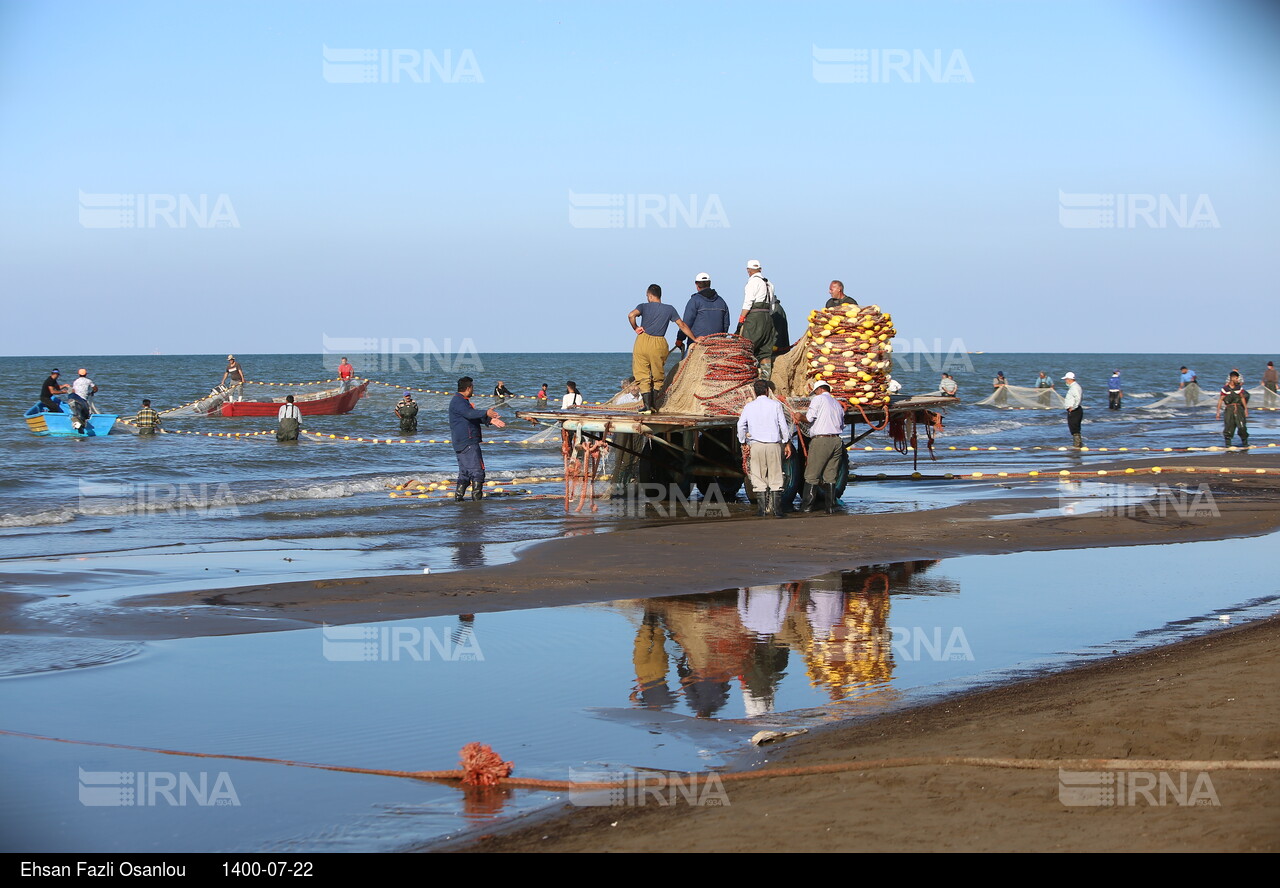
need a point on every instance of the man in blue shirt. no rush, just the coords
(1188, 386)
(465, 420)
(1114, 391)
(649, 355)
(707, 314)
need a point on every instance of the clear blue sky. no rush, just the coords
(442, 210)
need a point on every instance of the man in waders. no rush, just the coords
(755, 322)
(650, 320)
(1233, 408)
(826, 426)
(290, 420)
(1074, 402)
(407, 412)
(465, 420)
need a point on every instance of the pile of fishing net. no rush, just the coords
(1022, 397)
(715, 379)
(849, 348)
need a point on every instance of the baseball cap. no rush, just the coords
(818, 383)
(54, 370)
(406, 394)
(702, 277)
(231, 357)
(1069, 375)
(753, 263)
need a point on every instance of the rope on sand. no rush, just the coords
(479, 765)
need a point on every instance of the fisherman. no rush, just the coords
(838, 296)
(1045, 384)
(501, 391)
(649, 354)
(49, 389)
(1269, 385)
(1115, 391)
(1188, 386)
(81, 394)
(1000, 385)
(540, 399)
(407, 411)
(948, 386)
(1233, 409)
(147, 420)
(234, 372)
(290, 420)
(764, 426)
(572, 397)
(826, 430)
(345, 372)
(755, 321)
(706, 313)
(465, 420)
(1074, 402)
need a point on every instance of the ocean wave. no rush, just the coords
(990, 428)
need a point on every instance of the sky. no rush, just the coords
(1018, 176)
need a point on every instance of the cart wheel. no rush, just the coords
(792, 477)
(729, 487)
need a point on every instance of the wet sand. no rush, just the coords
(1208, 699)
(686, 557)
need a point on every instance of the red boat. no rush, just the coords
(326, 403)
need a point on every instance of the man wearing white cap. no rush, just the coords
(706, 314)
(1075, 410)
(826, 430)
(234, 371)
(756, 318)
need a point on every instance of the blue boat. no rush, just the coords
(46, 422)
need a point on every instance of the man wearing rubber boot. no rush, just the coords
(465, 420)
(765, 428)
(755, 321)
(1233, 408)
(650, 320)
(826, 431)
(1074, 402)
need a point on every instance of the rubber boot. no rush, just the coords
(766, 505)
(766, 368)
(646, 401)
(829, 492)
(460, 492)
(807, 501)
(1077, 440)
(779, 507)
(653, 401)
(477, 493)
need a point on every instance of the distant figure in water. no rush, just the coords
(540, 399)
(1074, 402)
(147, 420)
(1044, 383)
(407, 411)
(1269, 385)
(1114, 391)
(1188, 386)
(290, 421)
(999, 384)
(1233, 408)
(501, 391)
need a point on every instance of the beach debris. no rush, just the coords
(761, 737)
(426, 570)
(482, 766)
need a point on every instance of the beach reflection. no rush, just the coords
(699, 647)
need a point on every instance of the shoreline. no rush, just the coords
(674, 559)
(1205, 699)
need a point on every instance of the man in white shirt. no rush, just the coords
(826, 428)
(765, 427)
(81, 396)
(1075, 410)
(290, 418)
(755, 321)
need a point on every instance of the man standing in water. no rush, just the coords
(465, 420)
(1270, 384)
(755, 322)
(289, 418)
(1075, 410)
(1114, 391)
(1233, 409)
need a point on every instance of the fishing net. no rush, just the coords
(1190, 395)
(1019, 397)
(263, 392)
(715, 379)
(849, 347)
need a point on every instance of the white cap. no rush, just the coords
(753, 263)
(231, 357)
(1069, 375)
(702, 277)
(818, 383)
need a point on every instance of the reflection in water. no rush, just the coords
(698, 646)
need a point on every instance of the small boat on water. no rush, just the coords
(42, 421)
(330, 402)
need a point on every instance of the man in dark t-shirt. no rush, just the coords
(49, 388)
(838, 296)
(649, 355)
